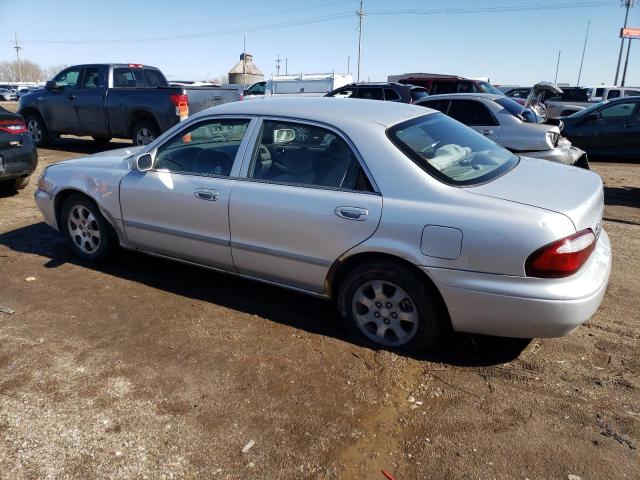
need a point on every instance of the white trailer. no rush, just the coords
(310, 84)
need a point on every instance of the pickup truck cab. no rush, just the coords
(108, 101)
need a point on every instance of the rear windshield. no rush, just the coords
(138, 77)
(418, 93)
(571, 94)
(451, 151)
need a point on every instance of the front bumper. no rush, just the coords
(46, 204)
(525, 307)
(563, 153)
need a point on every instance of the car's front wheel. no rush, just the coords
(391, 306)
(86, 229)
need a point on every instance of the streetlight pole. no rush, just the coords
(557, 66)
(628, 4)
(18, 48)
(626, 63)
(348, 65)
(360, 17)
(584, 49)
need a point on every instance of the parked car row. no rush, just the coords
(18, 155)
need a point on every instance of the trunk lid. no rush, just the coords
(573, 192)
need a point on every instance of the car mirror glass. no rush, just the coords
(283, 135)
(143, 162)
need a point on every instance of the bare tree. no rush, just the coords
(28, 71)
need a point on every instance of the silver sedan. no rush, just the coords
(411, 222)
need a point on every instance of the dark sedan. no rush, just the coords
(18, 156)
(607, 129)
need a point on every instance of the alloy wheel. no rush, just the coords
(385, 313)
(84, 229)
(35, 130)
(144, 136)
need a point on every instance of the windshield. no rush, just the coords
(486, 87)
(451, 151)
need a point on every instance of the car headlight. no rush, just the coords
(552, 139)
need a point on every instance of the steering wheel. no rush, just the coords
(211, 162)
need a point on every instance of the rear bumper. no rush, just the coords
(567, 154)
(16, 162)
(525, 307)
(46, 204)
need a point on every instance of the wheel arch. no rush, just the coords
(341, 268)
(33, 110)
(138, 116)
(62, 197)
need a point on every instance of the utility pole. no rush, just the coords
(286, 66)
(557, 66)
(626, 63)
(278, 65)
(244, 61)
(583, 50)
(361, 15)
(18, 48)
(628, 4)
(348, 65)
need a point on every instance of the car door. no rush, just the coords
(180, 207)
(60, 112)
(302, 200)
(89, 102)
(475, 115)
(616, 128)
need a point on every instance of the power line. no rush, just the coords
(506, 8)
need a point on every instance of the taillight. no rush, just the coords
(13, 126)
(181, 101)
(561, 258)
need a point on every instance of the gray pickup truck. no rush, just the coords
(108, 101)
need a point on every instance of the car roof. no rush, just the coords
(381, 84)
(339, 112)
(458, 96)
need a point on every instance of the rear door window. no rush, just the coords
(613, 94)
(443, 87)
(471, 112)
(631, 93)
(155, 78)
(440, 105)
(128, 77)
(370, 93)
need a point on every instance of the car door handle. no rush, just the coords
(72, 97)
(205, 194)
(352, 213)
(486, 131)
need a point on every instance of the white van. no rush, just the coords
(309, 84)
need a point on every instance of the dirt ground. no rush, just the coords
(144, 368)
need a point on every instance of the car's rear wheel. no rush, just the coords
(144, 132)
(37, 129)
(86, 229)
(101, 139)
(389, 305)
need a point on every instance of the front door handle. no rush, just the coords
(352, 213)
(206, 194)
(486, 132)
(72, 97)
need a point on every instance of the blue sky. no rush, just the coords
(319, 35)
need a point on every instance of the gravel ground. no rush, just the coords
(143, 368)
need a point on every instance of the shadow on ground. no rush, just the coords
(275, 304)
(622, 196)
(85, 146)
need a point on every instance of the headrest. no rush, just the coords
(338, 148)
(296, 160)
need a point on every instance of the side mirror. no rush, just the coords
(53, 86)
(143, 162)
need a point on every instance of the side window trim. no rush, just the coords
(237, 161)
(255, 134)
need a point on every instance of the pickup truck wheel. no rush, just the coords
(37, 129)
(144, 132)
(86, 229)
(101, 139)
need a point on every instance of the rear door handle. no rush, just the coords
(486, 131)
(352, 213)
(206, 194)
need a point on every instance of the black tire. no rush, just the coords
(101, 139)
(431, 319)
(22, 182)
(144, 132)
(84, 236)
(38, 130)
